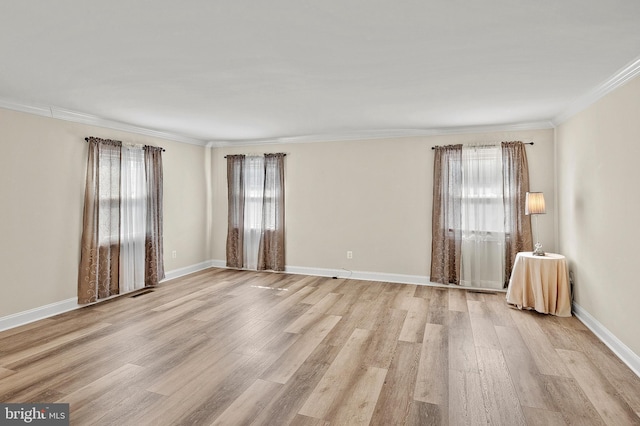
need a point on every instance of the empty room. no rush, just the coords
(319, 213)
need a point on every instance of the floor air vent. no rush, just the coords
(482, 291)
(142, 293)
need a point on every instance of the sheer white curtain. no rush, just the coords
(482, 250)
(133, 215)
(253, 177)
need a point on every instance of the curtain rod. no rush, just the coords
(163, 150)
(526, 143)
(284, 155)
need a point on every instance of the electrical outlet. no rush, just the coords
(174, 254)
(349, 254)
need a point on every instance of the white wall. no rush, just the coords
(42, 178)
(372, 197)
(598, 167)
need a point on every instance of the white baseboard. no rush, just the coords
(360, 275)
(365, 276)
(176, 273)
(216, 263)
(623, 352)
(344, 273)
(42, 312)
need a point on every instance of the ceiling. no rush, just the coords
(236, 71)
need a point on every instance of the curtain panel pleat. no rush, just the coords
(515, 172)
(98, 275)
(154, 258)
(271, 251)
(235, 200)
(446, 219)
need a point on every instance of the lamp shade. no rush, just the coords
(534, 203)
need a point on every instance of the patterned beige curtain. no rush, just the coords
(100, 245)
(154, 260)
(446, 220)
(235, 194)
(271, 252)
(515, 172)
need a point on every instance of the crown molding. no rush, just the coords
(29, 109)
(82, 118)
(385, 134)
(78, 117)
(620, 78)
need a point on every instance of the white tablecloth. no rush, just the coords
(540, 283)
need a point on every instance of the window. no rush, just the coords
(253, 174)
(482, 193)
(122, 226)
(255, 235)
(478, 224)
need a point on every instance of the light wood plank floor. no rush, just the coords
(238, 348)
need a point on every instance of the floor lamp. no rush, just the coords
(534, 205)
